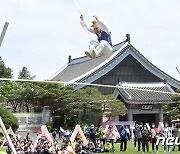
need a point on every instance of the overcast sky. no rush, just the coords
(43, 33)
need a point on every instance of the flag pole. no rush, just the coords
(178, 70)
(3, 32)
(7, 136)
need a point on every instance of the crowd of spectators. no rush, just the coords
(144, 135)
(99, 140)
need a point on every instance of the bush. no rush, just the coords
(83, 124)
(49, 127)
(9, 119)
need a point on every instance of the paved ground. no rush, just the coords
(32, 135)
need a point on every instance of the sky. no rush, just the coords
(43, 33)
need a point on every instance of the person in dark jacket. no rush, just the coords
(92, 134)
(124, 137)
(139, 135)
(135, 134)
(176, 133)
(145, 139)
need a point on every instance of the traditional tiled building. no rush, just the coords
(128, 67)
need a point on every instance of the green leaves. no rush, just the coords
(9, 119)
(173, 110)
(5, 72)
(25, 74)
(72, 106)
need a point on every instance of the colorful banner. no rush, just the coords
(46, 133)
(78, 130)
(36, 141)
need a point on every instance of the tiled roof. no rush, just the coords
(73, 71)
(88, 70)
(146, 96)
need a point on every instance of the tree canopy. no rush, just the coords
(71, 106)
(5, 72)
(9, 119)
(24, 73)
(173, 110)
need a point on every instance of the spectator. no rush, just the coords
(56, 146)
(135, 134)
(128, 132)
(107, 147)
(176, 133)
(67, 135)
(139, 135)
(99, 147)
(92, 134)
(60, 133)
(27, 136)
(79, 147)
(54, 134)
(124, 137)
(91, 147)
(110, 135)
(101, 135)
(145, 139)
(166, 132)
(153, 133)
(45, 149)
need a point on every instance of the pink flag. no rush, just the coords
(45, 132)
(35, 143)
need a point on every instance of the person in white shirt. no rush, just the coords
(166, 132)
(104, 45)
(153, 133)
(110, 135)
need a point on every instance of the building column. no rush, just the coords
(129, 116)
(116, 118)
(160, 114)
(157, 119)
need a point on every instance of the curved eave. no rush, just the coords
(149, 102)
(129, 101)
(130, 98)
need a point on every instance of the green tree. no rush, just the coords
(28, 91)
(20, 95)
(5, 72)
(111, 108)
(90, 101)
(9, 119)
(25, 74)
(8, 92)
(173, 110)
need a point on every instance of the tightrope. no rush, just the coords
(87, 84)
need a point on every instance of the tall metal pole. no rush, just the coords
(178, 70)
(7, 136)
(3, 32)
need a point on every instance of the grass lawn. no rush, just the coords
(131, 150)
(2, 150)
